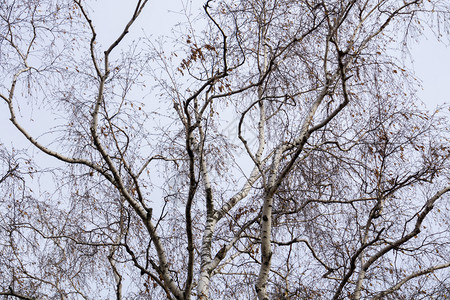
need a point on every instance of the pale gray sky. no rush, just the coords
(431, 58)
(432, 66)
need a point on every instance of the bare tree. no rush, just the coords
(272, 149)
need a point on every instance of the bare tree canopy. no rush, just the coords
(266, 149)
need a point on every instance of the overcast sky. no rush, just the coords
(431, 58)
(432, 65)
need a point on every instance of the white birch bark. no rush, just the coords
(208, 264)
(362, 272)
(205, 252)
(266, 232)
